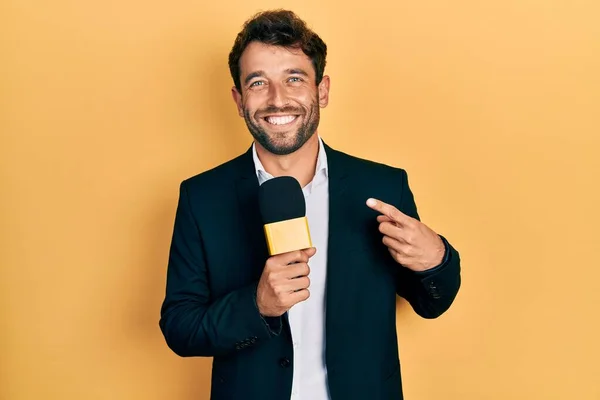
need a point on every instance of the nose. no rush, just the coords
(277, 95)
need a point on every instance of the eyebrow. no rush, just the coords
(297, 71)
(258, 74)
(253, 75)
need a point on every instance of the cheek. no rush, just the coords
(304, 95)
(252, 103)
(303, 100)
(248, 108)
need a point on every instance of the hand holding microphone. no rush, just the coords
(284, 281)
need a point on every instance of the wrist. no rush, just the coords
(440, 260)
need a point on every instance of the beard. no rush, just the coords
(276, 143)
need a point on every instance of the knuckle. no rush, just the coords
(294, 271)
(301, 269)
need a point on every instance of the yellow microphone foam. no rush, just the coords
(288, 235)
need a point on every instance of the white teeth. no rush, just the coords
(280, 120)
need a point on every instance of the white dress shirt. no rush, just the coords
(307, 318)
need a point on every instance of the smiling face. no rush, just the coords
(279, 98)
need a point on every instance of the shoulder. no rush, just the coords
(369, 178)
(358, 167)
(217, 177)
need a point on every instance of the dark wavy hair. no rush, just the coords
(279, 28)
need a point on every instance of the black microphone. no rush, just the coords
(283, 211)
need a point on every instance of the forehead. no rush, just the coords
(273, 59)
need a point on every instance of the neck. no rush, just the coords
(301, 164)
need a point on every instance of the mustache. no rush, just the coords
(279, 110)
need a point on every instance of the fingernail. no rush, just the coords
(371, 202)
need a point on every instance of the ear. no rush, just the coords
(324, 91)
(237, 98)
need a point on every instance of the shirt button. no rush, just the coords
(284, 362)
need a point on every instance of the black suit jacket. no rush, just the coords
(217, 255)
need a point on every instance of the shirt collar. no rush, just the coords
(263, 175)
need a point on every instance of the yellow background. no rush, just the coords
(491, 106)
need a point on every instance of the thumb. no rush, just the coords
(310, 251)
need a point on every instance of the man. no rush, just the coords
(313, 324)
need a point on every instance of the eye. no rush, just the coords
(256, 83)
(295, 79)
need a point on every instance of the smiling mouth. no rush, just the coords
(280, 119)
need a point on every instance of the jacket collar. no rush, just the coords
(335, 163)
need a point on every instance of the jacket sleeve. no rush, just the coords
(192, 321)
(430, 293)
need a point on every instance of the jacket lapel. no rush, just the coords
(338, 237)
(247, 196)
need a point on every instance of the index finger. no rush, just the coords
(388, 210)
(295, 256)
